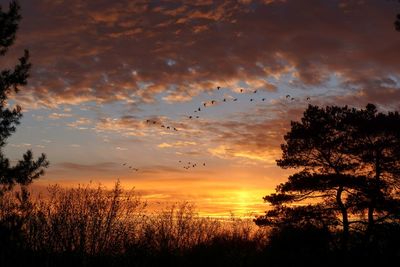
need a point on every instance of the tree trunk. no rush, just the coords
(374, 191)
(345, 218)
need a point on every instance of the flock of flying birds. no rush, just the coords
(201, 108)
(211, 103)
(189, 164)
(131, 168)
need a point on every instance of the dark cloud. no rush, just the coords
(98, 167)
(106, 50)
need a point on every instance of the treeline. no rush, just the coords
(88, 226)
(92, 226)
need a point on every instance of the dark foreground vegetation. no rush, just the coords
(341, 208)
(89, 226)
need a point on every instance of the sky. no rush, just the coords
(109, 78)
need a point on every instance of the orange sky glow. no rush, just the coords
(135, 90)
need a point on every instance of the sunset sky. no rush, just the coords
(102, 68)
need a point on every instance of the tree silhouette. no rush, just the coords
(376, 146)
(397, 21)
(349, 165)
(26, 169)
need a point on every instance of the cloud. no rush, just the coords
(225, 152)
(164, 145)
(80, 122)
(106, 51)
(126, 126)
(57, 116)
(75, 145)
(20, 145)
(177, 144)
(98, 167)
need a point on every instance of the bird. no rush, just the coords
(190, 117)
(163, 125)
(308, 98)
(199, 109)
(197, 117)
(204, 164)
(255, 91)
(175, 129)
(147, 121)
(154, 122)
(124, 164)
(235, 99)
(218, 87)
(168, 127)
(224, 100)
(251, 100)
(205, 104)
(292, 98)
(180, 161)
(263, 99)
(241, 90)
(212, 102)
(287, 96)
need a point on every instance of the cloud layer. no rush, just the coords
(127, 50)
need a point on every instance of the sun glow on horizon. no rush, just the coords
(184, 103)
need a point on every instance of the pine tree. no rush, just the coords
(348, 163)
(27, 169)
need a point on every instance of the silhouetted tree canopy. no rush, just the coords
(26, 169)
(348, 163)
